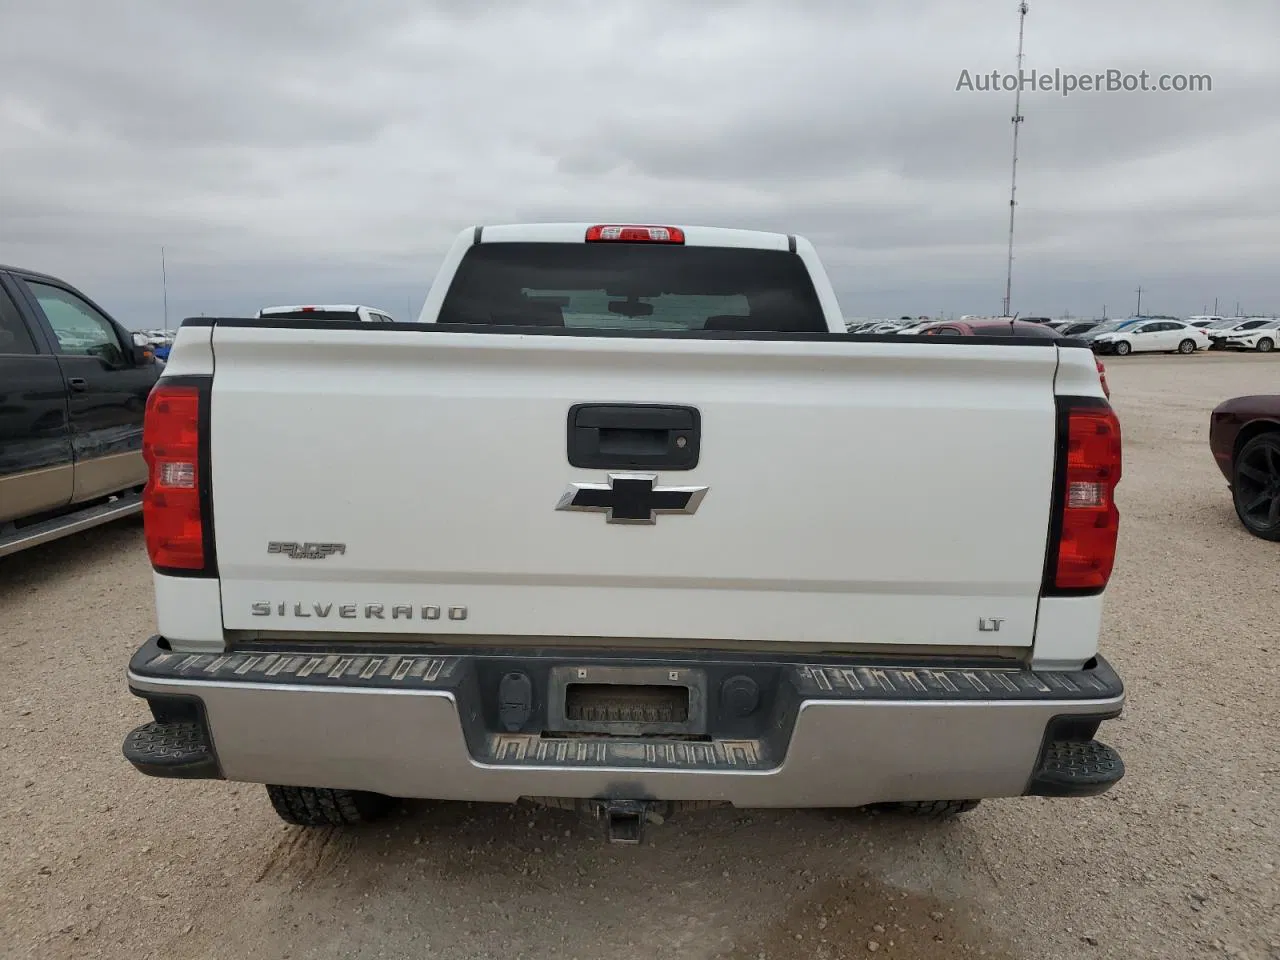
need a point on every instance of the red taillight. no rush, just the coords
(634, 234)
(1102, 376)
(171, 499)
(1090, 519)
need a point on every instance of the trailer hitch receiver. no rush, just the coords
(624, 820)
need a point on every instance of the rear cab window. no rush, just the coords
(633, 287)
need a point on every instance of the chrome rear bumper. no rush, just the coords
(834, 734)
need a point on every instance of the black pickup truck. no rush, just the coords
(73, 390)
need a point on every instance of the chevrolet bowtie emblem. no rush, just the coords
(631, 498)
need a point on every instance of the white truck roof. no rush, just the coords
(332, 312)
(694, 236)
(333, 307)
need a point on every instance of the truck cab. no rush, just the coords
(73, 391)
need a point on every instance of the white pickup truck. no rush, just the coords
(627, 522)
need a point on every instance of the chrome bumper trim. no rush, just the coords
(412, 743)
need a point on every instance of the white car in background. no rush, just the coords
(345, 312)
(885, 328)
(1261, 338)
(1153, 336)
(1219, 336)
(915, 328)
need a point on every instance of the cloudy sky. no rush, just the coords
(309, 150)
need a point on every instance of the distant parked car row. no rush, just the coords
(1138, 334)
(901, 325)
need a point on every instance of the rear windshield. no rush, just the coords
(633, 286)
(347, 316)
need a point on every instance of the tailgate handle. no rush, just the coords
(628, 436)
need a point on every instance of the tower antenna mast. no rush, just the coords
(164, 285)
(1013, 180)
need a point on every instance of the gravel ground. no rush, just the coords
(1180, 860)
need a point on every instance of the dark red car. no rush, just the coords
(1004, 328)
(990, 328)
(1244, 435)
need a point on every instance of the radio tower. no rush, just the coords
(164, 284)
(1013, 181)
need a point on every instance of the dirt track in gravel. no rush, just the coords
(1179, 861)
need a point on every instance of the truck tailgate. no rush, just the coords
(857, 493)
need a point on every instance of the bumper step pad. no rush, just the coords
(396, 671)
(176, 750)
(1076, 768)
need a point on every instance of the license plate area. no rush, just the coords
(627, 701)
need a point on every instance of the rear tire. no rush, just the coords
(1187, 346)
(936, 809)
(1265, 345)
(325, 807)
(1123, 349)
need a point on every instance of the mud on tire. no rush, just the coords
(325, 807)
